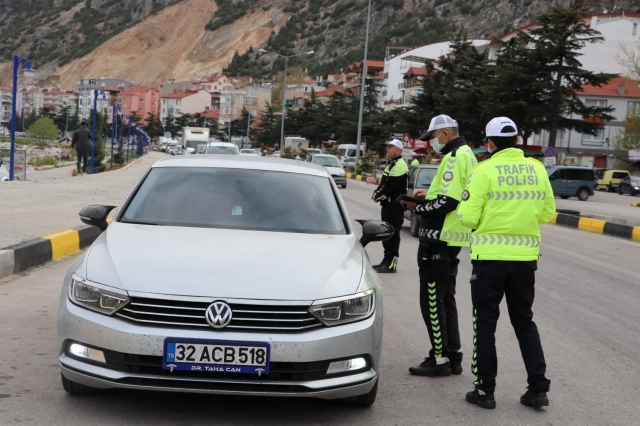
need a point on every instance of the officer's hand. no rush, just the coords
(419, 193)
(408, 204)
(374, 196)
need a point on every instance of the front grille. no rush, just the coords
(246, 316)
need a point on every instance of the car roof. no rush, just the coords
(244, 162)
(425, 166)
(221, 144)
(324, 155)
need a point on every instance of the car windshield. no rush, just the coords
(635, 179)
(193, 144)
(236, 199)
(326, 161)
(425, 177)
(222, 150)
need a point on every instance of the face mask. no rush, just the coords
(436, 145)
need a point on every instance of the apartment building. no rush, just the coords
(216, 82)
(87, 88)
(252, 97)
(6, 97)
(185, 102)
(143, 100)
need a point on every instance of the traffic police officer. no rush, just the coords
(415, 161)
(392, 185)
(441, 238)
(507, 199)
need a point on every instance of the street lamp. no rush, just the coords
(364, 76)
(16, 64)
(284, 88)
(93, 124)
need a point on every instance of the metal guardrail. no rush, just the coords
(20, 162)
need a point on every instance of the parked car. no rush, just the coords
(571, 181)
(349, 162)
(276, 154)
(248, 151)
(610, 180)
(629, 185)
(420, 177)
(332, 164)
(176, 150)
(222, 148)
(298, 322)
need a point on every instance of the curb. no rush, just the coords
(27, 254)
(635, 204)
(597, 226)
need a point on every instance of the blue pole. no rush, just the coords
(120, 138)
(93, 128)
(16, 63)
(128, 139)
(113, 131)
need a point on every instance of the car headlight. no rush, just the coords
(343, 310)
(97, 297)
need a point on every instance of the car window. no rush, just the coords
(412, 176)
(222, 150)
(601, 173)
(579, 174)
(326, 161)
(635, 179)
(248, 151)
(619, 175)
(558, 174)
(425, 177)
(236, 199)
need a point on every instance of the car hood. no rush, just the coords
(335, 170)
(226, 263)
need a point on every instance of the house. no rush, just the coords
(216, 82)
(144, 100)
(298, 94)
(185, 102)
(597, 150)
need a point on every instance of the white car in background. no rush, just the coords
(227, 148)
(248, 151)
(4, 173)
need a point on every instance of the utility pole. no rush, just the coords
(364, 77)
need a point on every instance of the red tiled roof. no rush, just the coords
(611, 89)
(212, 113)
(180, 95)
(331, 90)
(415, 71)
(134, 90)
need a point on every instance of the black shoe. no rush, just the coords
(428, 367)
(384, 269)
(534, 399)
(483, 401)
(381, 264)
(456, 363)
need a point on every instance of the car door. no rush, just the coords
(558, 182)
(411, 185)
(625, 185)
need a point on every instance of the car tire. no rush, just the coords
(564, 197)
(583, 194)
(74, 388)
(415, 226)
(344, 186)
(364, 401)
(619, 190)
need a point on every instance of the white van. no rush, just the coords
(349, 150)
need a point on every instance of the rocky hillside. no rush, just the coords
(149, 41)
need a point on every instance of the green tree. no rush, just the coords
(268, 128)
(44, 129)
(154, 125)
(554, 61)
(47, 111)
(630, 138)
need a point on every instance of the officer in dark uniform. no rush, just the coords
(392, 185)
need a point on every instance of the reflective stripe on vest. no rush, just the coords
(505, 240)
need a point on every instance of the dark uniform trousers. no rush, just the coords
(490, 280)
(392, 213)
(438, 265)
(83, 156)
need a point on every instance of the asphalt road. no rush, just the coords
(606, 204)
(586, 309)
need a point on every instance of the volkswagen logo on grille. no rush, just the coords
(218, 315)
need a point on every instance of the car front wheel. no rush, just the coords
(583, 195)
(74, 388)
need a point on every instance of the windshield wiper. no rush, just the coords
(139, 222)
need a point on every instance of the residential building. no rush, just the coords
(616, 28)
(298, 94)
(597, 150)
(87, 87)
(216, 82)
(396, 65)
(144, 100)
(186, 102)
(173, 86)
(56, 98)
(252, 97)
(30, 99)
(6, 97)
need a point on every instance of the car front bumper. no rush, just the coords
(340, 180)
(134, 357)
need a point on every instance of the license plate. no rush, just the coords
(215, 356)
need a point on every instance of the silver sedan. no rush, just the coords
(228, 275)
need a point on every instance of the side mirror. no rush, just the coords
(96, 215)
(375, 230)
